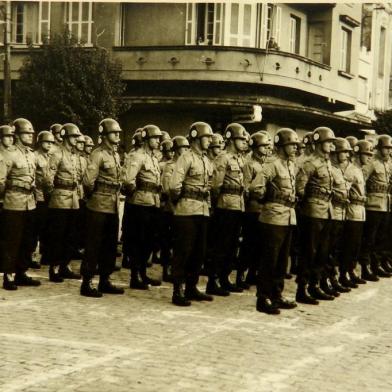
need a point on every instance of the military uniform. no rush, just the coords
(63, 207)
(228, 193)
(18, 180)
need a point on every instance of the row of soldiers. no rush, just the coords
(192, 198)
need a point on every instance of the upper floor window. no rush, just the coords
(43, 21)
(79, 20)
(295, 34)
(18, 28)
(381, 52)
(345, 50)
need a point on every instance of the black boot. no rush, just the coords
(106, 286)
(367, 274)
(303, 297)
(166, 275)
(324, 285)
(356, 279)
(386, 266)
(178, 297)
(339, 287)
(317, 293)
(284, 303)
(66, 273)
(136, 282)
(147, 280)
(87, 289)
(21, 279)
(228, 286)
(8, 283)
(125, 262)
(380, 272)
(265, 305)
(344, 281)
(193, 293)
(53, 276)
(214, 289)
(240, 282)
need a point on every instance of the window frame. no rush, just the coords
(80, 21)
(345, 49)
(42, 21)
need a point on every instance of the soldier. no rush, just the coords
(275, 185)
(45, 142)
(216, 146)
(342, 171)
(17, 177)
(166, 148)
(58, 140)
(314, 187)
(141, 185)
(377, 174)
(248, 260)
(228, 194)
(102, 183)
(88, 146)
(180, 146)
(189, 189)
(356, 214)
(63, 206)
(7, 139)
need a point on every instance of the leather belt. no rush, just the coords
(195, 195)
(284, 202)
(374, 188)
(20, 189)
(147, 186)
(107, 188)
(232, 190)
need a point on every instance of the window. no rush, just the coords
(362, 89)
(18, 23)
(345, 50)
(43, 21)
(381, 52)
(268, 24)
(79, 20)
(204, 23)
(295, 34)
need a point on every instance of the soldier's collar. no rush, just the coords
(198, 152)
(22, 147)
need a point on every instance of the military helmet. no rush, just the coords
(342, 145)
(308, 138)
(235, 131)
(137, 139)
(166, 146)
(69, 129)
(23, 126)
(352, 140)
(108, 125)
(88, 141)
(285, 136)
(260, 138)
(45, 136)
(323, 134)
(200, 129)
(81, 139)
(165, 136)
(180, 141)
(384, 141)
(55, 128)
(364, 147)
(7, 130)
(217, 141)
(150, 131)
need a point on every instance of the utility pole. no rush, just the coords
(7, 59)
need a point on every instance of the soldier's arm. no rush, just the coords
(180, 170)
(248, 174)
(304, 173)
(92, 171)
(219, 174)
(4, 169)
(259, 184)
(129, 173)
(167, 173)
(367, 170)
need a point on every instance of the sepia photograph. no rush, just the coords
(195, 196)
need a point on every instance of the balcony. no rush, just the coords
(235, 65)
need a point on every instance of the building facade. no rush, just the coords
(265, 65)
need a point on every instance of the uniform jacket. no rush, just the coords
(102, 180)
(19, 180)
(377, 176)
(192, 174)
(253, 165)
(141, 169)
(227, 179)
(342, 177)
(314, 185)
(65, 178)
(356, 208)
(82, 166)
(275, 184)
(167, 172)
(3, 171)
(42, 174)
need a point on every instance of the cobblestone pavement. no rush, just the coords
(52, 339)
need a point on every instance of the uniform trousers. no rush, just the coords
(61, 236)
(227, 229)
(251, 242)
(190, 241)
(316, 233)
(335, 245)
(375, 236)
(274, 259)
(17, 231)
(100, 243)
(40, 226)
(352, 239)
(138, 237)
(166, 236)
